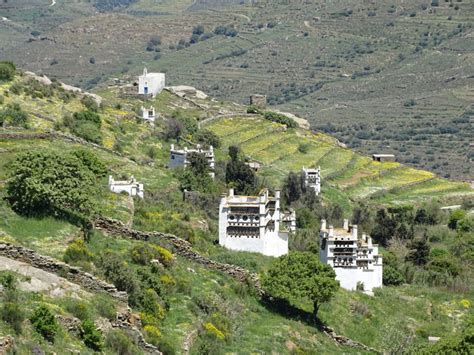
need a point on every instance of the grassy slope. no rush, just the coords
(254, 326)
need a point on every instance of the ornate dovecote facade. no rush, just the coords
(178, 157)
(252, 223)
(355, 260)
(312, 179)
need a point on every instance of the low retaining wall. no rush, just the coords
(182, 248)
(70, 273)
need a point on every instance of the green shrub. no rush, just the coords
(454, 217)
(304, 148)
(44, 323)
(391, 276)
(12, 313)
(253, 109)
(120, 343)
(90, 103)
(77, 251)
(207, 138)
(280, 118)
(79, 309)
(91, 336)
(13, 115)
(91, 161)
(152, 334)
(7, 71)
(105, 307)
(51, 184)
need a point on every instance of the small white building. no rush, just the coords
(355, 260)
(312, 179)
(151, 83)
(132, 187)
(178, 157)
(252, 224)
(148, 114)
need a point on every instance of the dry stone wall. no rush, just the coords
(71, 273)
(182, 248)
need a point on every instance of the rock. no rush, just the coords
(6, 344)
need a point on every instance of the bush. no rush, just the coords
(79, 309)
(51, 184)
(304, 148)
(391, 276)
(7, 71)
(207, 138)
(77, 251)
(152, 334)
(280, 118)
(91, 336)
(120, 343)
(253, 109)
(455, 217)
(13, 115)
(90, 103)
(91, 161)
(12, 313)
(85, 124)
(44, 323)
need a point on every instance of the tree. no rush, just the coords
(384, 228)
(419, 251)
(7, 71)
(239, 174)
(174, 129)
(51, 184)
(455, 217)
(292, 187)
(44, 322)
(300, 277)
(196, 175)
(207, 137)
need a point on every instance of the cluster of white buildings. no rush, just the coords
(131, 187)
(179, 157)
(356, 261)
(257, 223)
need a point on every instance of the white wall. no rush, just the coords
(151, 83)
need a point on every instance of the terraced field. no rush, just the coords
(346, 174)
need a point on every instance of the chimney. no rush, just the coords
(172, 147)
(277, 194)
(111, 180)
(323, 224)
(211, 148)
(369, 242)
(354, 230)
(331, 231)
(231, 192)
(346, 224)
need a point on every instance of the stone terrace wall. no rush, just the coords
(71, 273)
(182, 248)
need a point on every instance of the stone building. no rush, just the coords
(252, 223)
(132, 187)
(258, 100)
(312, 179)
(151, 83)
(355, 260)
(288, 220)
(178, 157)
(148, 114)
(383, 157)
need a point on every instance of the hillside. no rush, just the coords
(390, 76)
(203, 309)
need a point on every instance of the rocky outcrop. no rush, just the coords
(182, 248)
(6, 344)
(70, 273)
